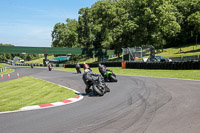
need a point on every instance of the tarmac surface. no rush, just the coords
(134, 105)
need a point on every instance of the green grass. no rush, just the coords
(1, 65)
(181, 51)
(40, 60)
(27, 91)
(182, 74)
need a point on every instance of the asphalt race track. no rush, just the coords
(134, 105)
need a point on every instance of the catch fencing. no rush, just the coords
(131, 53)
(137, 53)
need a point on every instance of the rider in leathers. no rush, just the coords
(78, 68)
(87, 76)
(103, 70)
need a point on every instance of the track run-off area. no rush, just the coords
(134, 105)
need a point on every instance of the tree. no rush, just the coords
(101, 26)
(186, 8)
(65, 35)
(151, 22)
(113, 24)
(194, 23)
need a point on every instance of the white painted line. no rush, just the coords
(30, 107)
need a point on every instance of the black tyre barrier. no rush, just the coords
(186, 65)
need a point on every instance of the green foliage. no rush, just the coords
(65, 35)
(113, 24)
(3, 56)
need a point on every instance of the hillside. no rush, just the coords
(190, 50)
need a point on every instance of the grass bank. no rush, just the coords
(27, 91)
(190, 50)
(40, 60)
(1, 65)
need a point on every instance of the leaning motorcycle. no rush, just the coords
(97, 85)
(107, 74)
(110, 76)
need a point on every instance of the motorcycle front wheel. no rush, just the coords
(107, 89)
(113, 78)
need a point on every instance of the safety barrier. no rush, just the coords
(186, 65)
(2, 69)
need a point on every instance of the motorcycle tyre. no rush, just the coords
(107, 89)
(98, 90)
(87, 91)
(113, 78)
(78, 70)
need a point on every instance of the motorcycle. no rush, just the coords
(107, 74)
(78, 68)
(96, 85)
(49, 67)
(111, 76)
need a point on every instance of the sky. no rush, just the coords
(30, 22)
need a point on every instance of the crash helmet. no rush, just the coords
(103, 67)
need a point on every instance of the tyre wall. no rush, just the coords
(187, 65)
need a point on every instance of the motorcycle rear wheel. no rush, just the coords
(98, 90)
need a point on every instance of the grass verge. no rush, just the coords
(181, 74)
(1, 65)
(27, 91)
(8, 70)
(40, 60)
